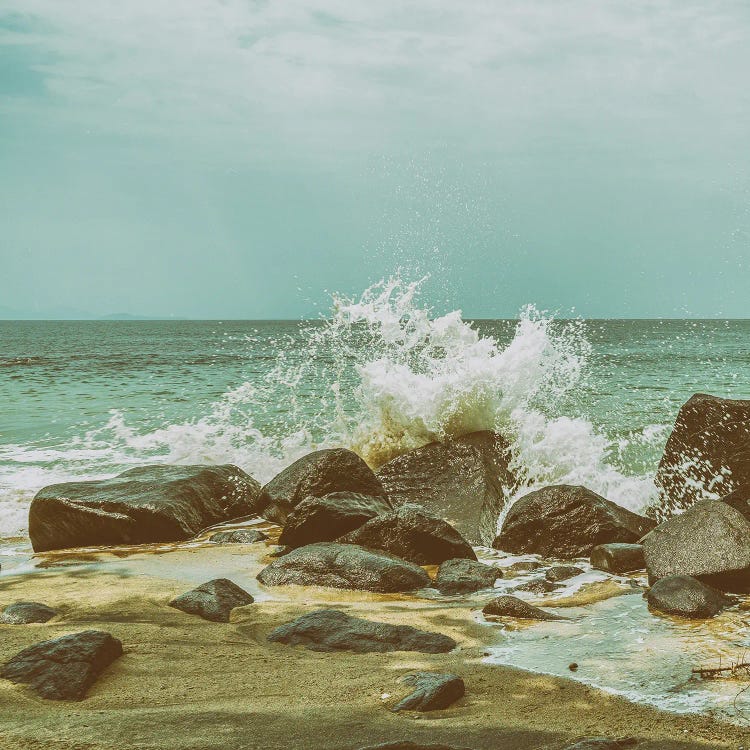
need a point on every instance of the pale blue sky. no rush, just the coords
(238, 158)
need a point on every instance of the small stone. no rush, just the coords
(433, 691)
(462, 576)
(238, 536)
(511, 606)
(573, 667)
(213, 600)
(23, 613)
(537, 586)
(562, 572)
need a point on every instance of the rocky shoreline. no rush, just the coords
(402, 540)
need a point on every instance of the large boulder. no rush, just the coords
(317, 474)
(462, 576)
(432, 691)
(213, 600)
(709, 541)
(707, 455)
(687, 597)
(331, 630)
(566, 522)
(464, 480)
(414, 534)
(344, 566)
(324, 519)
(142, 505)
(64, 668)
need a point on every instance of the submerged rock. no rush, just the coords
(414, 534)
(709, 541)
(331, 630)
(317, 474)
(433, 691)
(463, 481)
(142, 505)
(238, 536)
(562, 573)
(538, 586)
(707, 454)
(461, 576)
(344, 566)
(511, 606)
(64, 668)
(566, 522)
(618, 558)
(24, 613)
(687, 597)
(525, 566)
(213, 600)
(324, 519)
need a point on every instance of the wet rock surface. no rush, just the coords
(602, 743)
(316, 475)
(408, 745)
(709, 541)
(64, 668)
(687, 597)
(344, 566)
(562, 573)
(332, 630)
(325, 519)
(538, 586)
(432, 691)
(213, 600)
(142, 505)
(24, 613)
(566, 522)
(238, 536)
(410, 532)
(511, 606)
(463, 481)
(618, 558)
(461, 576)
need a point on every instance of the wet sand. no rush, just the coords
(187, 683)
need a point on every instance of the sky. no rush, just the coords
(244, 159)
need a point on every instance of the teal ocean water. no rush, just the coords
(582, 401)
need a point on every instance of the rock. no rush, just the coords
(23, 613)
(537, 586)
(521, 567)
(407, 745)
(566, 522)
(414, 534)
(709, 541)
(463, 481)
(213, 600)
(461, 576)
(707, 455)
(433, 691)
(317, 474)
(602, 743)
(562, 573)
(331, 630)
(238, 536)
(618, 558)
(344, 566)
(64, 668)
(142, 505)
(324, 519)
(687, 597)
(510, 606)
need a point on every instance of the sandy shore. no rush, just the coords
(187, 683)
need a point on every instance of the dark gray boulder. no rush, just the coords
(687, 597)
(331, 630)
(511, 606)
(344, 566)
(524, 566)
(142, 505)
(709, 541)
(707, 455)
(64, 668)
(566, 522)
(213, 600)
(238, 536)
(324, 519)
(317, 474)
(461, 576)
(414, 534)
(602, 743)
(618, 558)
(562, 573)
(538, 586)
(23, 613)
(464, 481)
(432, 691)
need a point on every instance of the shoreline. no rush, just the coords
(188, 683)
